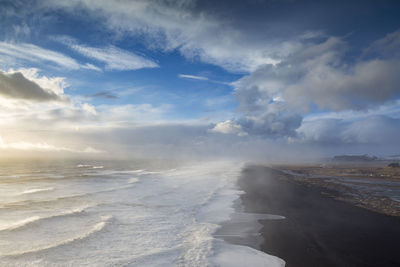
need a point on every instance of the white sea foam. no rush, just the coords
(6, 226)
(83, 166)
(239, 256)
(15, 204)
(18, 224)
(133, 180)
(94, 229)
(98, 167)
(161, 218)
(134, 171)
(89, 166)
(37, 190)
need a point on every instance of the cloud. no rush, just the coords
(36, 54)
(372, 130)
(318, 76)
(16, 85)
(121, 115)
(193, 77)
(192, 141)
(113, 57)
(32, 118)
(54, 84)
(44, 147)
(285, 79)
(104, 94)
(170, 25)
(89, 108)
(387, 46)
(322, 131)
(274, 98)
(228, 127)
(32, 102)
(89, 66)
(271, 125)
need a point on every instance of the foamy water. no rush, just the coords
(120, 214)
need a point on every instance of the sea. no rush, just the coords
(120, 213)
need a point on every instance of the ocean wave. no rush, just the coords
(27, 221)
(83, 166)
(94, 229)
(133, 180)
(98, 167)
(135, 171)
(87, 194)
(89, 166)
(6, 177)
(36, 190)
(86, 172)
(19, 223)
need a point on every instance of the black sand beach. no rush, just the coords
(318, 230)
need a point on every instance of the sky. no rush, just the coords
(273, 79)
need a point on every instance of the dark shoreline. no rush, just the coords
(318, 230)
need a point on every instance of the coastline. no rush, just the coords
(317, 230)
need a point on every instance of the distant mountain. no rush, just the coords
(354, 158)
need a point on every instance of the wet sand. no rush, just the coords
(318, 230)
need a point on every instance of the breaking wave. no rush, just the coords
(94, 229)
(37, 190)
(25, 222)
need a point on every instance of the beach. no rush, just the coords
(317, 229)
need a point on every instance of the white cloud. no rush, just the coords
(89, 108)
(193, 77)
(171, 25)
(63, 126)
(228, 127)
(91, 67)
(113, 57)
(32, 53)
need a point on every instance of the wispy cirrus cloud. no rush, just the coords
(113, 57)
(201, 78)
(171, 25)
(14, 53)
(33, 53)
(193, 77)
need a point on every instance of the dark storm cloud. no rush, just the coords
(16, 86)
(386, 47)
(271, 124)
(317, 77)
(104, 94)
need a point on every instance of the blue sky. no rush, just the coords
(230, 77)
